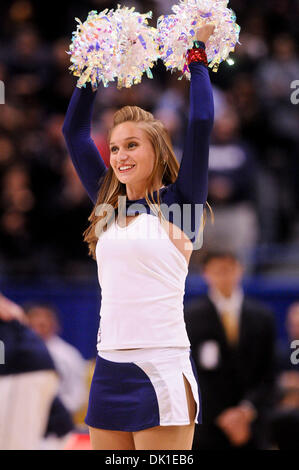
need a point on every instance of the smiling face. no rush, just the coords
(131, 147)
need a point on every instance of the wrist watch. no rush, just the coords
(199, 44)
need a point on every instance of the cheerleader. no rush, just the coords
(145, 392)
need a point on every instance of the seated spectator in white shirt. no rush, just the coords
(70, 365)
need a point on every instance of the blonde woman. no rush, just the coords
(145, 392)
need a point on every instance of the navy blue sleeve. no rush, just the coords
(77, 133)
(24, 350)
(192, 181)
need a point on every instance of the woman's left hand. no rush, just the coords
(203, 33)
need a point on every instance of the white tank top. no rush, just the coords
(142, 275)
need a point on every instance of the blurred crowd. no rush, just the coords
(253, 154)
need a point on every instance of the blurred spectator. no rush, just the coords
(243, 97)
(288, 387)
(284, 349)
(16, 191)
(232, 189)
(236, 378)
(12, 119)
(8, 150)
(284, 419)
(60, 223)
(70, 365)
(20, 11)
(274, 78)
(253, 38)
(59, 81)
(16, 205)
(27, 61)
(69, 211)
(28, 382)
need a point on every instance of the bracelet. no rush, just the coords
(197, 55)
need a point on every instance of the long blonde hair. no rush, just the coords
(165, 166)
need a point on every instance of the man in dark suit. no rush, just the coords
(232, 341)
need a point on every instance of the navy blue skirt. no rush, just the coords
(142, 393)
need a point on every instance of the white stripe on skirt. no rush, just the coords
(165, 368)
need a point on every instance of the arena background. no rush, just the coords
(253, 172)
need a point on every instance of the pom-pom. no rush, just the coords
(177, 33)
(113, 44)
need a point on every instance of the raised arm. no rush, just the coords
(82, 149)
(192, 180)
